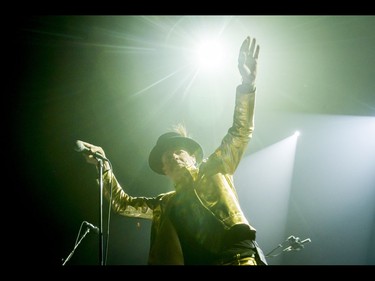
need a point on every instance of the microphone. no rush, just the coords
(296, 244)
(80, 147)
(307, 240)
(91, 227)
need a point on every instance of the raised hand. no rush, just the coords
(248, 61)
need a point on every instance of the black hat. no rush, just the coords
(172, 140)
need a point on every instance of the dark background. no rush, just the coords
(121, 81)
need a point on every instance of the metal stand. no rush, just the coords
(80, 147)
(100, 169)
(290, 244)
(75, 246)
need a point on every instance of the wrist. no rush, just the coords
(249, 85)
(246, 88)
(248, 80)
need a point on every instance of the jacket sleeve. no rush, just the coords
(124, 204)
(229, 153)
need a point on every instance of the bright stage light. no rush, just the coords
(209, 55)
(296, 134)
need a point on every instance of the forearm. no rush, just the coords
(121, 202)
(239, 134)
(243, 116)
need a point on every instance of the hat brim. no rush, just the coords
(177, 142)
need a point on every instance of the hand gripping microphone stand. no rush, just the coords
(89, 225)
(80, 147)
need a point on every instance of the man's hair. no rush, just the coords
(180, 129)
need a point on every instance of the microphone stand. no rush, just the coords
(75, 246)
(100, 169)
(294, 244)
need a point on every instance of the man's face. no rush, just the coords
(176, 163)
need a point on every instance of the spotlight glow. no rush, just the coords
(296, 134)
(209, 54)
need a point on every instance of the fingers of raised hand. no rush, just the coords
(245, 45)
(249, 48)
(248, 55)
(244, 50)
(256, 55)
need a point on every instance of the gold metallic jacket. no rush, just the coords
(213, 194)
